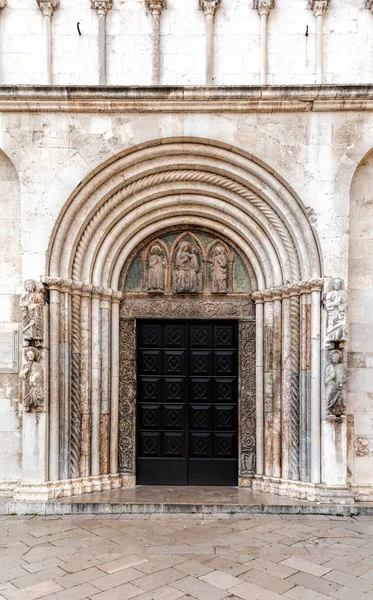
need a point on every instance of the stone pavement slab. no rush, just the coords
(186, 557)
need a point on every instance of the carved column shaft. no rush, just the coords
(105, 385)
(286, 390)
(268, 388)
(209, 7)
(263, 7)
(319, 8)
(305, 387)
(277, 392)
(259, 359)
(114, 424)
(96, 385)
(85, 383)
(101, 7)
(48, 8)
(156, 7)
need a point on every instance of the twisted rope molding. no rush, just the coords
(294, 392)
(76, 418)
(184, 175)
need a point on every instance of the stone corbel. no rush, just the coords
(263, 7)
(101, 7)
(48, 8)
(319, 8)
(156, 7)
(209, 7)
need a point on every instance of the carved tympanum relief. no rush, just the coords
(335, 382)
(32, 304)
(186, 263)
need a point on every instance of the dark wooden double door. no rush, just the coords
(187, 402)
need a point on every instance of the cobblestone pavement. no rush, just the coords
(169, 557)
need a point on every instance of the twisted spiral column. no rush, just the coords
(76, 419)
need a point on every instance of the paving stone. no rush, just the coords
(196, 569)
(77, 592)
(267, 581)
(200, 589)
(150, 582)
(306, 566)
(221, 580)
(301, 593)
(33, 592)
(226, 565)
(250, 591)
(122, 592)
(314, 583)
(273, 568)
(355, 583)
(123, 563)
(119, 578)
(35, 578)
(163, 593)
(80, 577)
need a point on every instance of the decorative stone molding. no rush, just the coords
(264, 6)
(369, 5)
(199, 308)
(287, 291)
(319, 7)
(48, 7)
(209, 6)
(156, 7)
(247, 406)
(52, 490)
(101, 6)
(77, 287)
(303, 490)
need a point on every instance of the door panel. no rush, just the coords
(187, 403)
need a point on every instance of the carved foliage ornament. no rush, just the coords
(319, 7)
(32, 304)
(101, 6)
(247, 397)
(369, 5)
(209, 6)
(127, 395)
(48, 7)
(264, 6)
(156, 5)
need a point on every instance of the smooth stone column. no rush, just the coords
(335, 451)
(263, 7)
(277, 391)
(85, 380)
(259, 361)
(96, 384)
(48, 8)
(268, 383)
(286, 390)
(54, 389)
(156, 7)
(105, 384)
(319, 8)
(305, 386)
(315, 387)
(209, 7)
(101, 7)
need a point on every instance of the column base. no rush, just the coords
(302, 490)
(52, 490)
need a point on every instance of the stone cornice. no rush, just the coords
(48, 7)
(209, 6)
(319, 7)
(90, 99)
(369, 5)
(264, 6)
(101, 6)
(286, 291)
(83, 289)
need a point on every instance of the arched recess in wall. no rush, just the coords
(360, 284)
(165, 184)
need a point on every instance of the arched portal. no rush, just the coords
(170, 185)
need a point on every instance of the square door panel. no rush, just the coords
(200, 389)
(150, 362)
(174, 335)
(201, 362)
(200, 445)
(174, 389)
(173, 362)
(150, 335)
(225, 445)
(150, 444)
(200, 416)
(150, 416)
(149, 389)
(225, 389)
(174, 444)
(173, 416)
(225, 417)
(224, 362)
(200, 336)
(224, 336)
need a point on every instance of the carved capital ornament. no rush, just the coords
(369, 5)
(101, 6)
(49, 7)
(319, 7)
(264, 6)
(156, 6)
(209, 6)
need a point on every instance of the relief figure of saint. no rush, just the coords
(335, 305)
(33, 381)
(335, 382)
(155, 270)
(31, 303)
(187, 269)
(219, 270)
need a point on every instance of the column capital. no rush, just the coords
(101, 6)
(156, 6)
(264, 6)
(319, 7)
(369, 5)
(209, 6)
(48, 7)
(3, 4)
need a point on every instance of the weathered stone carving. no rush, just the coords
(335, 306)
(32, 303)
(369, 5)
(335, 382)
(32, 376)
(363, 445)
(209, 6)
(247, 397)
(319, 7)
(187, 274)
(173, 307)
(127, 395)
(48, 7)
(101, 6)
(157, 263)
(219, 270)
(264, 6)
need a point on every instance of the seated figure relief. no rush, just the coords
(187, 275)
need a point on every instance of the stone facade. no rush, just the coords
(243, 203)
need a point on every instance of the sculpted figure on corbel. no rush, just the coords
(335, 383)
(32, 303)
(32, 376)
(335, 303)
